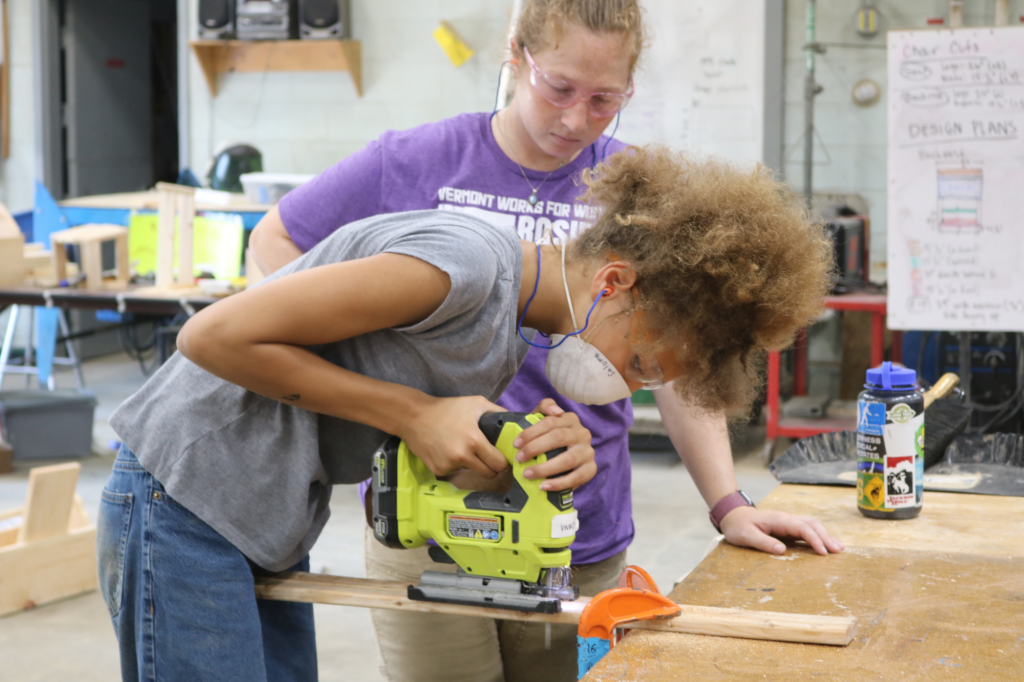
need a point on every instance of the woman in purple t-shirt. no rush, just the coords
(519, 169)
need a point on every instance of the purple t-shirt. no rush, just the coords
(456, 165)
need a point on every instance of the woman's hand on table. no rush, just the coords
(762, 528)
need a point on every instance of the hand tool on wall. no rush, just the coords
(511, 548)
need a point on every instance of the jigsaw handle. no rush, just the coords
(492, 424)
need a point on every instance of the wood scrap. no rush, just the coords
(51, 493)
(47, 547)
(89, 239)
(705, 620)
(175, 218)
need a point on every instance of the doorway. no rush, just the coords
(112, 67)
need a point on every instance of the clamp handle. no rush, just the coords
(611, 608)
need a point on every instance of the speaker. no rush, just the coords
(216, 19)
(322, 19)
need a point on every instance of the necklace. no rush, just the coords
(532, 200)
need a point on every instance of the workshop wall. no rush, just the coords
(306, 122)
(17, 172)
(850, 151)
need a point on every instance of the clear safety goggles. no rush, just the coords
(644, 370)
(564, 94)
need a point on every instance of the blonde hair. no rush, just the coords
(540, 21)
(728, 264)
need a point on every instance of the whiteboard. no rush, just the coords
(700, 82)
(956, 179)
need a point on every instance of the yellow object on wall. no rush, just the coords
(452, 44)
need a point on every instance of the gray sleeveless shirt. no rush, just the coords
(259, 471)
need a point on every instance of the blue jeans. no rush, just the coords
(182, 597)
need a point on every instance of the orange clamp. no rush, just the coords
(637, 598)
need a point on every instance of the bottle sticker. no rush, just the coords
(475, 527)
(904, 426)
(565, 525)
(900, 475)
(870, 491)
(870, 418)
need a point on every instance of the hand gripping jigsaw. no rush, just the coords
(511, 548)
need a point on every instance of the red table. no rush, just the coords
(791, 427)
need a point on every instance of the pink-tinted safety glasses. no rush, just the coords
(564, 94)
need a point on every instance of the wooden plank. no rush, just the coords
(37, 258)
(206, 55)
(175, 188)
(91, 254)
(220, 56)
(12, 260)
(79, 517)
(81, 234)
(165, 241)
(51, 492)
(121, 253)
(353, 51)
(10, 526)
(769, 625)
(186, 218)
(283, 55)
(8, 225)
(47, 570)
(384, 594)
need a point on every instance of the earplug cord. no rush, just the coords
(536, 283)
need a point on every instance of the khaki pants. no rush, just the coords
(428, 647)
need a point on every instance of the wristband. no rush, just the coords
(726, 505)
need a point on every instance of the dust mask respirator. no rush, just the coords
(575, 368)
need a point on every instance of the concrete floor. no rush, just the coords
(73, 639)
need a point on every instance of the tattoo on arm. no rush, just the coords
(292, 397)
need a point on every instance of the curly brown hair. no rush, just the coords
(728, 264)
(540, 22)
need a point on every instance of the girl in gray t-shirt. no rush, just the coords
(411, 324)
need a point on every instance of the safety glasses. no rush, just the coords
(564, 94)
(645, 370)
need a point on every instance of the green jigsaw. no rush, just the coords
(511, 548)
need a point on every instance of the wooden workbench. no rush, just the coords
(937, 597)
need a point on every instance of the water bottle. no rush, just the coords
(890, 444)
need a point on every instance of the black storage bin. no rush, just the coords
(48, 424)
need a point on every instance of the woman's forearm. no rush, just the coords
(702, 442)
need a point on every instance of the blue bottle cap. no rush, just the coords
(889, 378)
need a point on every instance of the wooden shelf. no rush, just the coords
(225, 56)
